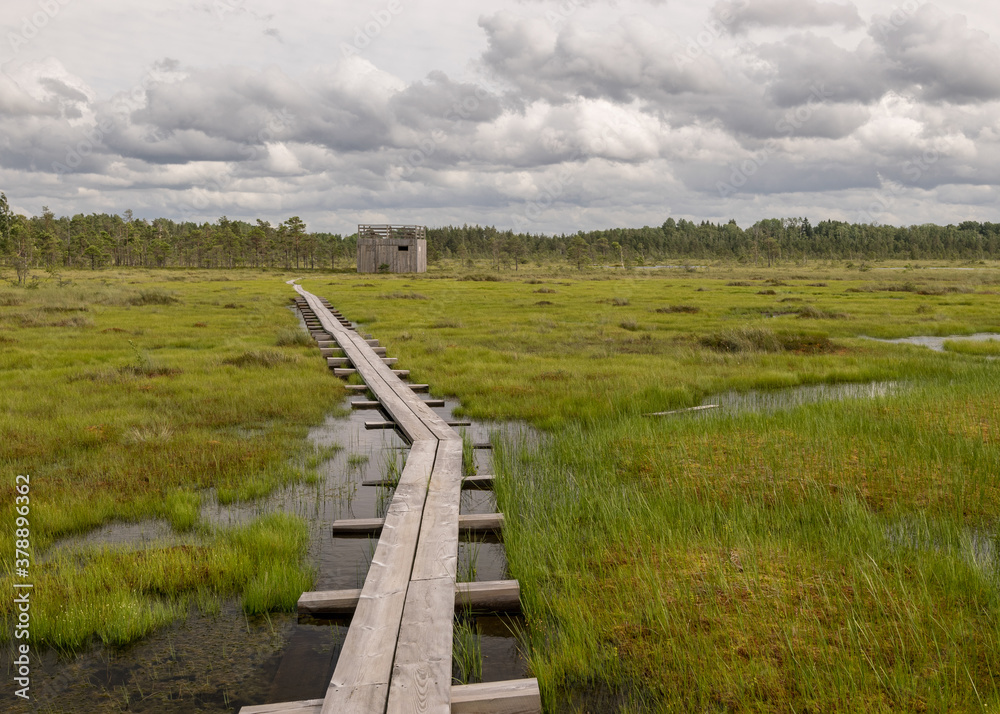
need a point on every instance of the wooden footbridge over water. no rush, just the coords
(397, 656)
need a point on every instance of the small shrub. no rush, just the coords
(739, 284)
(545, 290)
(743, 339)
(630, 325)
(766, 292)
(807, 344)
(403, 296)
(619, 301)
(691, 309)
(231, 306)
(482, 278)
(259, 358)
(148, 368)
(446, 322)
(544, 302)
(811, 312)
(10, 300)
(152, 296)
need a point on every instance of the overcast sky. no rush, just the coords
(532, 115)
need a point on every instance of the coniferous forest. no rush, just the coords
(102, 240)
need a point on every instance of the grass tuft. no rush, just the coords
(153, 296)
(259, 358)
(293, 337)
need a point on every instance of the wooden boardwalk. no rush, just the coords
(397, 656)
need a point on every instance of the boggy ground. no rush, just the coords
(835, 557)
(129, 395)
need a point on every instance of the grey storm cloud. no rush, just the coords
(439, 101)
(739, 15)
(630, 59)
(807, 66)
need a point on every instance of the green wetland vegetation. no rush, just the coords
(130, 396)
(835, 556)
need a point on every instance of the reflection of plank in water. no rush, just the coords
(305, 665)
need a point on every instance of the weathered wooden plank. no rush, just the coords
(489, 595)
(437, 548)
(307, 706)
(380, 425)
(344, 371)
(356, 387)
(366, 404)
(518, 696)
(422, 667)
(419, 387)
(434, 402)
(467, 523)
(421, 671)
(338, 362)
(469, 483)
(328, 602)
(478, 482)
(480, 596)
(390, 360)
(360, 681)
(459, 423)
(481, 523)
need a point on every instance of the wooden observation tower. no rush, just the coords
(392, 249)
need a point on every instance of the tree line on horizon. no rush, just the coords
(102, 240)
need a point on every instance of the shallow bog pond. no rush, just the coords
(937, 343)
(221, 661)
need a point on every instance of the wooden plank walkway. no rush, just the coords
(397, 655)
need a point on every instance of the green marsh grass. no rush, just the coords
(990, 348)
(467, 651)
(468, 454)
(121, 595)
